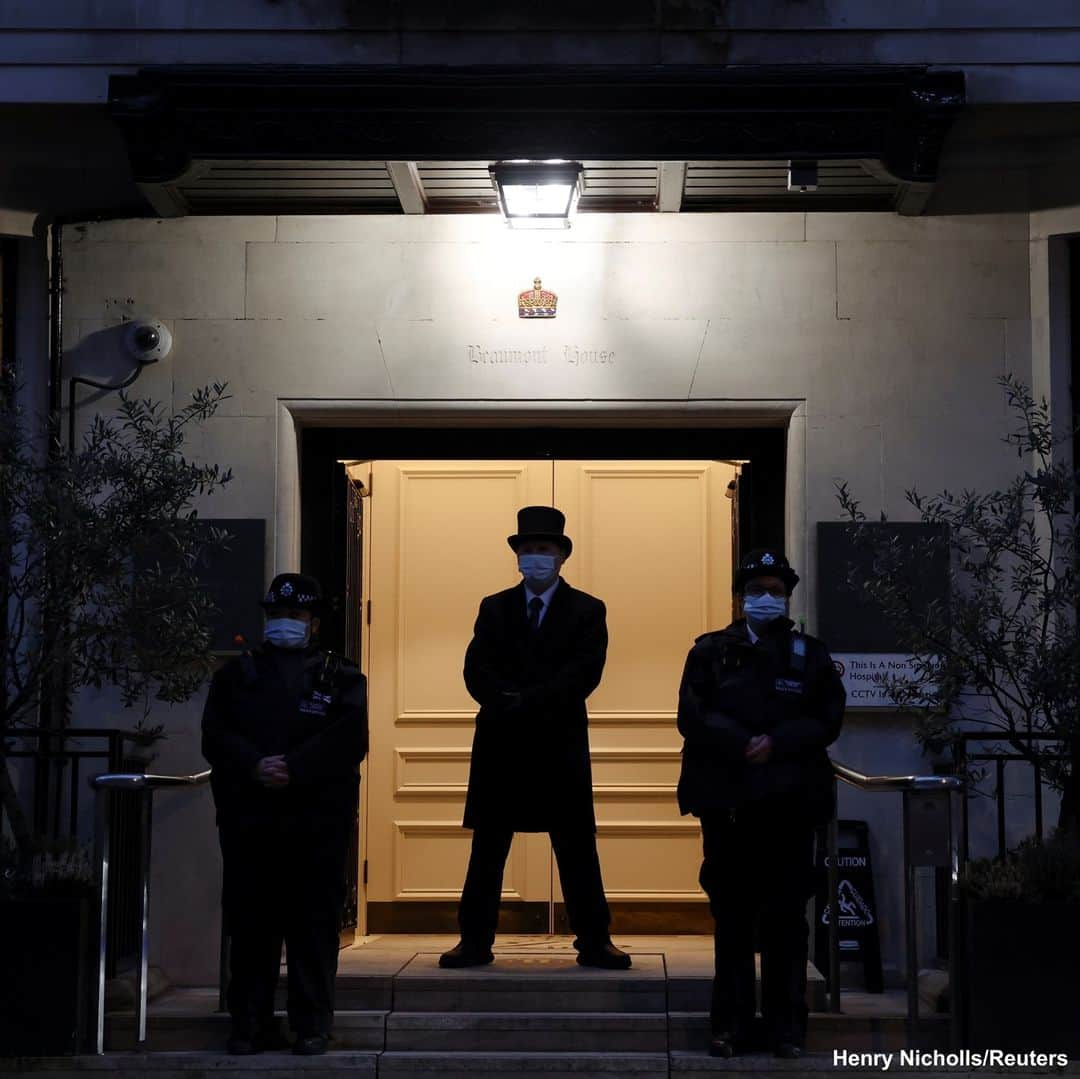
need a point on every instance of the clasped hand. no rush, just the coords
(758, 749)
(272, 772)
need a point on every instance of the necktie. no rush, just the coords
(536, 605)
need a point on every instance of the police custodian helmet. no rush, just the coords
(295, 590)
(765, 562)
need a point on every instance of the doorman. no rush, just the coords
(537, 652)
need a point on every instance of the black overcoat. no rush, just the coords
(530, 768)
(786, 686)
(309, 706)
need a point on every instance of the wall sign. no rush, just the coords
(866, 649)
(865, 675)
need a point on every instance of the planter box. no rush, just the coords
(44, 944)
(1022, 984)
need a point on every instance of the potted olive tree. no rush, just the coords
(998, 652)
(100, 588)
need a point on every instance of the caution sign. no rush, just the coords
(856, 914)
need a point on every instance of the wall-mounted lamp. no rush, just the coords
(802, 176)
(537, 194)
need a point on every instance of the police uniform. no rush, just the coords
(283, 850)
(758, 819)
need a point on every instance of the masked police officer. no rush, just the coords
(758, 704)
(284, 729)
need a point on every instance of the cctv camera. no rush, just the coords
(147, 340)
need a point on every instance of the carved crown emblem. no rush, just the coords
(537, 302)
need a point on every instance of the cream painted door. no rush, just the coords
(653, 540)
(438, 545)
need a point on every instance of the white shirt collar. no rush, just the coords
(753, 635)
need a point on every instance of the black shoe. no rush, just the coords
(724, 1044)
(787, 1051)
(466, 954)
(242, 1043)
(606, 956)
(311, 1045)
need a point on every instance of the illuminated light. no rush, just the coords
(537, 194)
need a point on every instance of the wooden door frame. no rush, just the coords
(314, 437)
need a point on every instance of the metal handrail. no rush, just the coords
(105, 785)
(908, 786)
(147, 783)
(895, 783)
(137, 781)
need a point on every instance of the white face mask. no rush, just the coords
(537, 569)
(761, 610)
(288, 632)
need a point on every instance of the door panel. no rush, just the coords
(438, 534)
(653, 540)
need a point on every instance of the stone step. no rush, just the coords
(404, 1065)
(543, 1032)
(552, 983)
(357, 992)
(686, 991)
(193, 1031)
(692, 992)
(690, 1031)
(196, 1065)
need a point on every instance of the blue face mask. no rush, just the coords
(288, 632)
(761, 610)
(537, 569)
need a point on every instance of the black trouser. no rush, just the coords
(579, 872)
(284, 880)
(758, 870)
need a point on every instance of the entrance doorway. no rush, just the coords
(655, 541)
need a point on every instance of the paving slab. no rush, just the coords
(531, 983)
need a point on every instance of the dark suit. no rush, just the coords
(757, 820)
(283, 851)
(530, 769)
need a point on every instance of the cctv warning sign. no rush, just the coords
(866, 676)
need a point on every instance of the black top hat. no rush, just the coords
(766, 562)
(296, 590)
(541, 523)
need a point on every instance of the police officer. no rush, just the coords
(285, 729)
(758, 704)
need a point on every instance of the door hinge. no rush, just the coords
(365, 871)
(369, 612)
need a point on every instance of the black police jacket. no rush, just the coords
(309, 706)
(785, 686)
